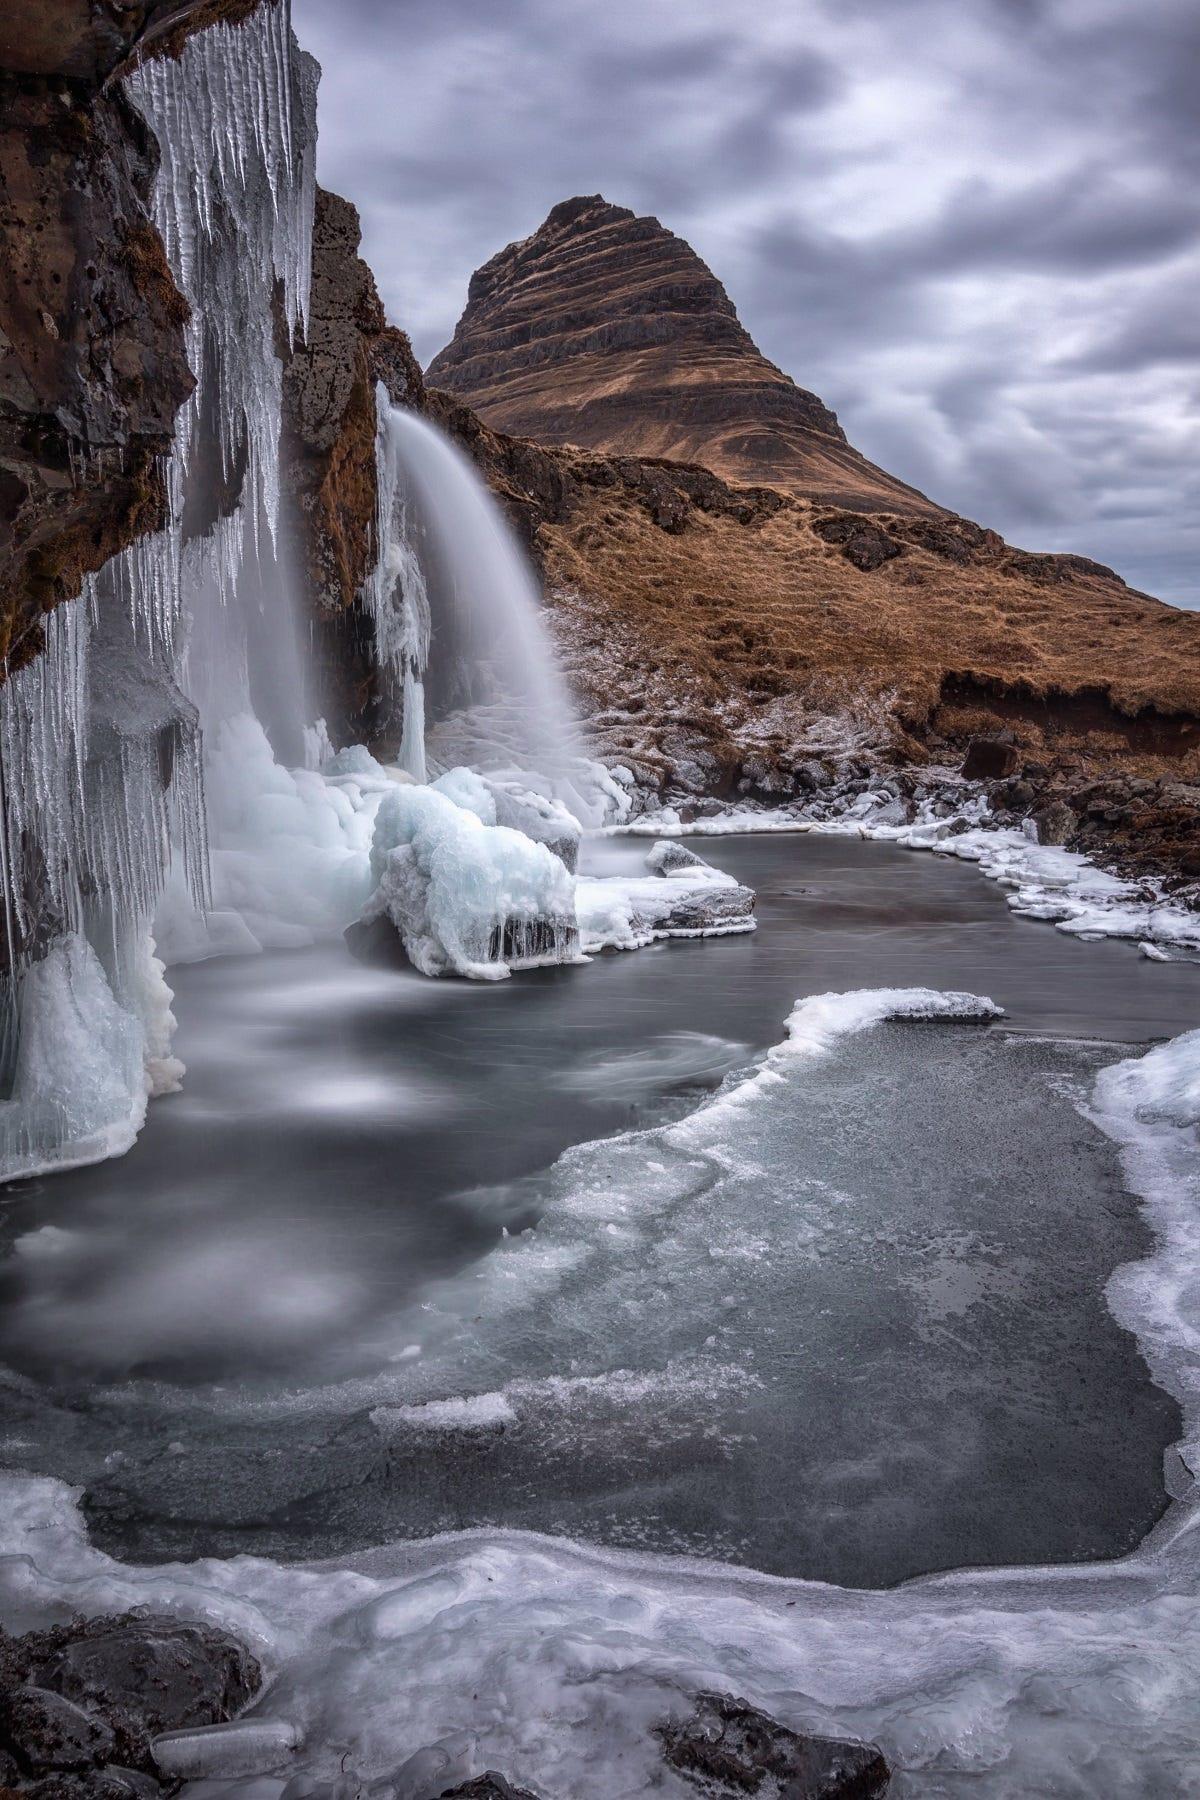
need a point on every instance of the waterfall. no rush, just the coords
(502, 700)
(100, 738)
(460, 629)
(396, 595)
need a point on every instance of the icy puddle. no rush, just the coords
(843, 1319)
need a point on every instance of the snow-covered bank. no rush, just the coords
(1062, 887)
(416, 1664)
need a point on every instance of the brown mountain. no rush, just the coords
(607, 331)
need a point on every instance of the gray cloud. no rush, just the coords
(972, 230)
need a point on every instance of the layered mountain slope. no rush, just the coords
(607, 331)
(725, 640)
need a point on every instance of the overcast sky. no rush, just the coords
(971, 226)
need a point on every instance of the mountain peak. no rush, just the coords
(606, 330)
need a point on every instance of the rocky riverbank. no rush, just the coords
(123, 1708)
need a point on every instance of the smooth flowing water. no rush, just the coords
(864, 1335)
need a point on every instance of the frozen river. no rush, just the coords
(852, 1327)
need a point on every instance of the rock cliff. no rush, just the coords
(92, 364)
(328, 452)
(607, 331)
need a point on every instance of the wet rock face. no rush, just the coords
(328, 451)
(83, 1702)
(728, 1747)
(92, 366)
(606, 330)
(92, 363)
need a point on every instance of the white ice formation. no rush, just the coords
(465, 894)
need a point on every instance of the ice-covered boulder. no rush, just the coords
(729, 1746)
(669, 857)
(503, 800)
(545, 820)
(465, 896)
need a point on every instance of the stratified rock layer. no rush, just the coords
(607, 331)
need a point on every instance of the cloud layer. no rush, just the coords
(974, 231)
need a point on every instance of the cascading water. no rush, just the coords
(460, 629)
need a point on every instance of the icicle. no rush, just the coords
(101, 779)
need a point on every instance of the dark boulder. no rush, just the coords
(728, 1746)
(1013, 796)
(863, 543)
(990, 759)
(40, 1730)
(1055, 822)
(137, 1677)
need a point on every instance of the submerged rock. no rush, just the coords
(111, 1783)
(727, 1746)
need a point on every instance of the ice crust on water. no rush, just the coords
(467, 896)
(1062, 887)
(629, 912)
(421, 1663)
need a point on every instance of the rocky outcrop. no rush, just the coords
(607, 331)
(328, 452)
(92, 364)
(81, 1705)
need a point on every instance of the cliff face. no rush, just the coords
(328, 452)
(607, 331)
(92, 365)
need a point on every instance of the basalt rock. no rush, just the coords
(41, 1730)
(607, 331)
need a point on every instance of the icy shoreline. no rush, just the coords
(1062, 887)
(418, 1663)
